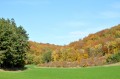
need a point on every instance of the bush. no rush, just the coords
(29, 58)
(114, 58)
(46, 56)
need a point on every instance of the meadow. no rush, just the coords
(34, 72)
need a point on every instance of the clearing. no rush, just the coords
(33, 72)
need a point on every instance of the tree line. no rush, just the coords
(95, 49)
(102, 47)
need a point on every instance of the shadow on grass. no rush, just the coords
(14, 69)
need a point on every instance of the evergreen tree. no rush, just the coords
(13, 44)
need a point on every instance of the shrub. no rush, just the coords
(46, 57)
(114, 58)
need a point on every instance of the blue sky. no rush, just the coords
(61, 21)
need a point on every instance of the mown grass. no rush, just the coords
(33, 72)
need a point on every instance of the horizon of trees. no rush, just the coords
(99, 47)
(95, 49)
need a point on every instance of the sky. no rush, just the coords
(61, 21)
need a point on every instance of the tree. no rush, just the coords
(55, 55)
(114, 58)
(47, 55)
(14, 43)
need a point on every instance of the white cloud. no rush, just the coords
(76, 35)
(66, 39)
(70, 37)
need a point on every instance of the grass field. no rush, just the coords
(33, 72)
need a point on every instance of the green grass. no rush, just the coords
(112, 72)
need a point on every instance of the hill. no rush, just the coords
(100, 37)
(95, 49)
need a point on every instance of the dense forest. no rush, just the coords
(100, 48)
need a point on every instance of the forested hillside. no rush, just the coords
(95, 49)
